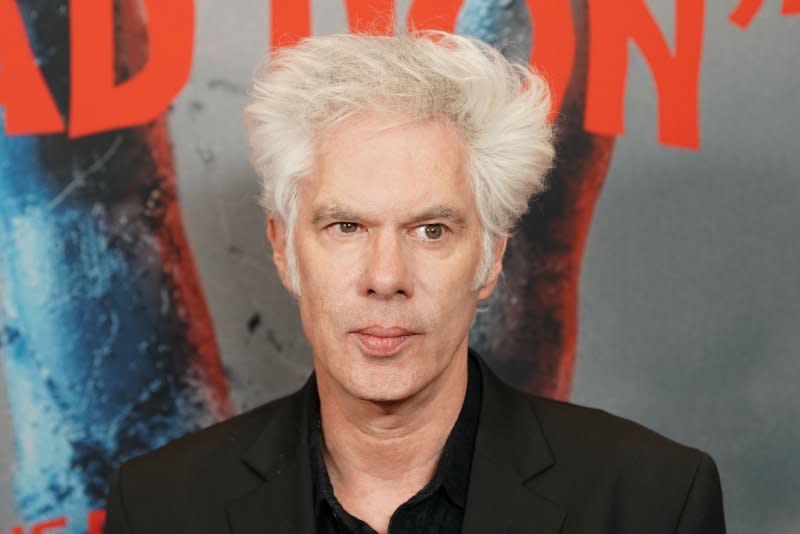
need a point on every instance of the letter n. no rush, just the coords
(290, 21)
(676, 75)
(433, 15)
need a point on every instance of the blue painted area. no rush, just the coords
(94, 356)
(93, 333)
(505, 24)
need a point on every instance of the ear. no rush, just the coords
(498, 250)
(276, 234)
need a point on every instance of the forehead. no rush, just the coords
(390, 163)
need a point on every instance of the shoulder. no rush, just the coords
(600, 458)
(578, 435)
(572, 429)
(227, 439)
(184, 485)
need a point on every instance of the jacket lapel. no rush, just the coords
(283, 501)
(510, 450)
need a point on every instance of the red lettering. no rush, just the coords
(676, 75)
(290, 21)
(433, 15)
(29, 107)
(41, 528)
(96, 519)
(790, 7)
(370, 16)
(744, 13)
(553, 50)
(97, 103)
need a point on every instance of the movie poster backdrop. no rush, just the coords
(138, 301)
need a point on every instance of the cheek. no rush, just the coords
(449, 287)
(451, 276)
(447, 293)
(318, 319)
(324, 268)
(324, 298)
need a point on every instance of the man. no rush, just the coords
(393, 171)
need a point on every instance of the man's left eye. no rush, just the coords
(431, 232)
(347, 227)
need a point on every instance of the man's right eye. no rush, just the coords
(347, 227)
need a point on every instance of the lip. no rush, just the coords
(385, 331)
(383, 341)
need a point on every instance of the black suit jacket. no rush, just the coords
(539, 466)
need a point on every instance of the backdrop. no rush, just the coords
(657, 278)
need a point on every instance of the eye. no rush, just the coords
(431, 232)
(347, 227)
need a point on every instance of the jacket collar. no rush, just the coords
(283, 501)
(510, 450)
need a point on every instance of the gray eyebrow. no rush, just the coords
(439, 211)
(327, 213)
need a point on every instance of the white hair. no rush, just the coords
(499, 108)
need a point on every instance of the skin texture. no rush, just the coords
(387, 235)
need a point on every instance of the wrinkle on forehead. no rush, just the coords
(375, 123)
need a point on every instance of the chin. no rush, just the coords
(389, 396)
(383, 384)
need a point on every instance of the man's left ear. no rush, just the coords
(498, 250)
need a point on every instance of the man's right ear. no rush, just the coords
(276, 234)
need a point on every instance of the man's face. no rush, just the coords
(387, 242)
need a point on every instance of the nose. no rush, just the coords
(386, 273)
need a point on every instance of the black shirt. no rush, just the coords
(438, 508)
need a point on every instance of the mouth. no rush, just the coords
(383, 341)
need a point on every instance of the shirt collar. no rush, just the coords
(454, 466)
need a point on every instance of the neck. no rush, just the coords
(370, 445)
